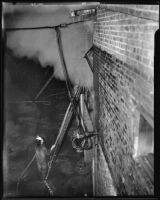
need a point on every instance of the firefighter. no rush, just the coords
(41, 156)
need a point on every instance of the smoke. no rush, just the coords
(41, 45)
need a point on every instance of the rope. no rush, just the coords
(25, 171)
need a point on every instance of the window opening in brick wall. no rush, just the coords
(145, 148)
(144, 140)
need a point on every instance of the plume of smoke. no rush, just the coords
(41, 45)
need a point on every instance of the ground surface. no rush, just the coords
(24, 120)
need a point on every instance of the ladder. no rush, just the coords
(63, 129)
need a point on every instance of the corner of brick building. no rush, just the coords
(123, 64)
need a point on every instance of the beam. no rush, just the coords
(64, 25)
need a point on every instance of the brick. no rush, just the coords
(115, 114)
(137, 11)
(146, 61)
(150, 15)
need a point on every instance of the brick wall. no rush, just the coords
(104, 186)
(123, 78)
